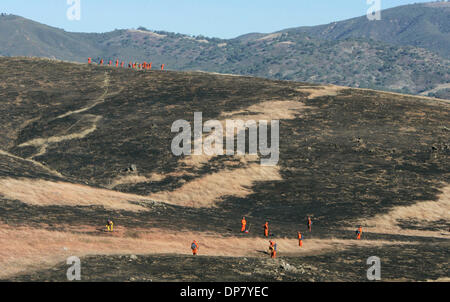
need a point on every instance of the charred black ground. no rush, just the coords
(347, 157)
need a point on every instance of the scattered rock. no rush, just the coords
(287, 267)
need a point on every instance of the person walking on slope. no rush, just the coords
(309, 223)
(89, 60)
(194, 247)
(162, 67)
(266, 229)
(300, 239)
(273, 249)
(243, 224)
(359, 233)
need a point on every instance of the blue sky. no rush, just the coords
(212, 18)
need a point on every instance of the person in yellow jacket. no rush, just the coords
(110, 225)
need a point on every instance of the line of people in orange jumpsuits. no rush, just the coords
(272, 244)
(135, 65)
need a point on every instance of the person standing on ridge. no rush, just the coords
(243, 224)
(162, 67)
(89, 60)
(101, 62)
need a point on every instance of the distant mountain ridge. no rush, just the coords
(407, 51)
(425, 25)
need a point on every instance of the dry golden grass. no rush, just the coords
(25, 249)
(205, 192)
(319, 91)
(444, 279)
(270, 37)
(427, 211)
(266, 110)
(44, 193)
(135, 179)
(208, 190)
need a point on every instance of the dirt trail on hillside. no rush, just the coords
(36, 163)
(43, 143)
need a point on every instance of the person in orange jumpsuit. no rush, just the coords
(243, 224)
(273, 249)
(266, 229)
(309, 223)
(122, 64)
(89, 60)
(300, 239)
(359, 233)
(162, 67)
(110, 62)
(117, 63)
(194, 247)
(101, 62)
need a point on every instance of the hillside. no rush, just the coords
(71, 132)
(424, 25)
(410, 57)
